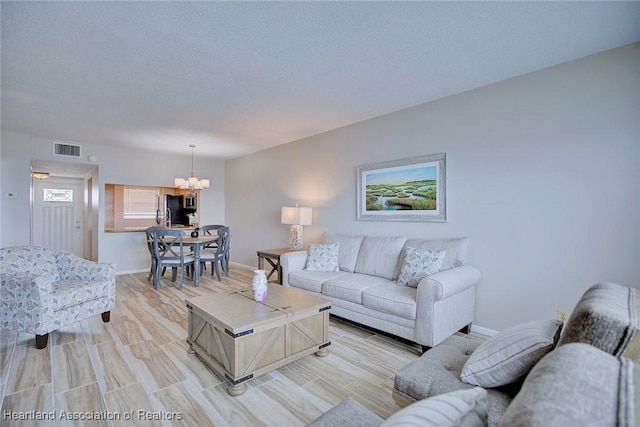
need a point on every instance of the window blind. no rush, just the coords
(140, 203)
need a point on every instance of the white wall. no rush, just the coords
(115, 166)
(1, 194)
(542, 174)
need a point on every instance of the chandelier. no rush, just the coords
(191, 183)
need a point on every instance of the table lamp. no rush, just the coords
(296, 216)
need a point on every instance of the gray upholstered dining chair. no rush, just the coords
(168, 250)
(218, 257)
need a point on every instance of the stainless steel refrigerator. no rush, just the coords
(171, 211)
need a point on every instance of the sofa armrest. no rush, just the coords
(290, 262)
(445, 302)
(448, 282)
(25, 302)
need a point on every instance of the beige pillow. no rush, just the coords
(459, 408)
(509, 355)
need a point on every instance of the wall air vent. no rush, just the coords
(67, 150)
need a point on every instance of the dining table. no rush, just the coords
(197, 243)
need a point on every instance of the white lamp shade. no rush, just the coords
(296, 216)
(180, 182)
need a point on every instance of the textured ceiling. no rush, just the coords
(238, 77)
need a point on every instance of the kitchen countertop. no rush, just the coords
(139, 229)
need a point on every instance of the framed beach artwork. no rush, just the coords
(403, 190)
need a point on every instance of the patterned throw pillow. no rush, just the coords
(323, 257)
(418, 264)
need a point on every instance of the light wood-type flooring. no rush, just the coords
(136, 368)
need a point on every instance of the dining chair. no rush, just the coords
(149, 233)
(226, 254)
(209, 230)
(168, 250)
(217, 257)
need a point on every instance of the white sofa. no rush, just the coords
(365, 289)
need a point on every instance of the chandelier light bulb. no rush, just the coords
(191, 183)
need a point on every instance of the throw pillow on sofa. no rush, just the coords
(509, 355)
(418, 264)
(459, 408)
(349, 248)
(323, 257)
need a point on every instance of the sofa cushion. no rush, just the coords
(379, 256)
(437, 371)
(574, 385)
(323, 257)
(397, 300)
(348, 413)
(606, 317)
(466, 408)
(348, 251)
(418, 264)
(312, 280)
(509, 355)
(457, 251)
(350, 286)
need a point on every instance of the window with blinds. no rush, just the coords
(140, 203)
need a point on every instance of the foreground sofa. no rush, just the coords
(576, 385)
(44, 289)
(585, 374)
(602, 332)
(363, 286)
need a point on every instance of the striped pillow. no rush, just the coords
(463, 407)
(509, 355)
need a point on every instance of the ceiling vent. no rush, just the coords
(67, 150)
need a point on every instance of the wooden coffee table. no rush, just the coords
(241, 339)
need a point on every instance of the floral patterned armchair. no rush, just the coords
(44, 289)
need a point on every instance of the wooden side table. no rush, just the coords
(273, 258)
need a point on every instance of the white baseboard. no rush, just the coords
(248, 267)
(483, 331)
(144, 270)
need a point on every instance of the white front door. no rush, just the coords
(57, 214)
